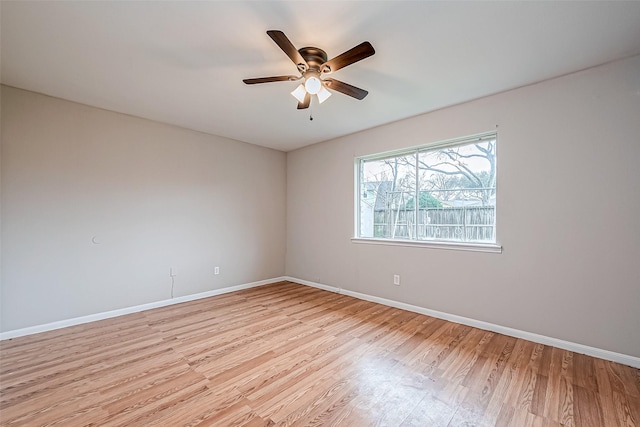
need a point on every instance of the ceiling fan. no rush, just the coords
(313, 65)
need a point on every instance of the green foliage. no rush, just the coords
(426, 200)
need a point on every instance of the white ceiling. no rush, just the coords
(183, 62)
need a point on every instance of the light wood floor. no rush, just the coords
(287, 354)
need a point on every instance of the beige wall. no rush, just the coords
(568, 213)
(153, 195)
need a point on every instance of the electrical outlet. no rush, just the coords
(396, 279)
(216, 270)
(173, 272)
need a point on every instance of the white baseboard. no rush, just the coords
(529, 336)
(135, 309)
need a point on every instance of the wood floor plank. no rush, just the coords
(286, 354)
(505, 384)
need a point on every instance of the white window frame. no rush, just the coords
(436, 244)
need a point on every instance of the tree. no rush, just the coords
(455, 173)
(425, 200)
(452, 170)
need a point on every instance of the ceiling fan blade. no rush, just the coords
(358, 53)
(346, 88)
(270, 79)
(305, 104)
(287, 47)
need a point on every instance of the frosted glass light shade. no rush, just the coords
(299, 93)
(323, 94)
(313, 85)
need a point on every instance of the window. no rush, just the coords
(442, 192)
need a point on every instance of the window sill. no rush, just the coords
(455, 246)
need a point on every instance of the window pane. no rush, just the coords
(386, 187)
(445, 193)
(457, 193)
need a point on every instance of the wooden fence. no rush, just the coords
(466, 224)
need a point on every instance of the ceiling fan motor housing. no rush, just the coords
(314, 57)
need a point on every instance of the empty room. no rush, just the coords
(301, 213)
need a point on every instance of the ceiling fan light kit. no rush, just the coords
(312, 64)
(299, 93)
(312, 84)
(323, 94)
